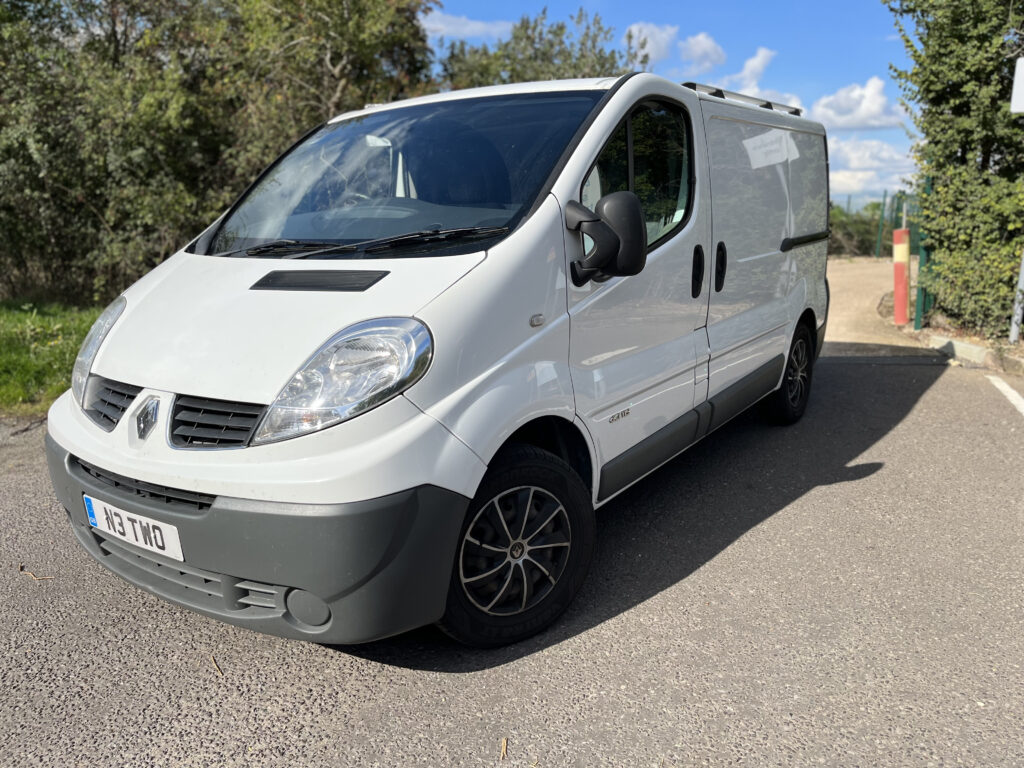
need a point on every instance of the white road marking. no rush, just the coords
(1011, 394)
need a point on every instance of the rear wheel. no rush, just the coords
(523, 551)
(789, 402)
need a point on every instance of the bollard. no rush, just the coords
(901, 276)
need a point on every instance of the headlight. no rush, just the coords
(91, 345)
(356, 370)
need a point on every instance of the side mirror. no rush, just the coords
(619, 233)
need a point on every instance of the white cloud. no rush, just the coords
(868, 154)
(858, 107)
(753, 68)
(864, 182)
(441, 24)
(851, 182)
(702, 53)
(866, 165)
(748, 79)
(659, 39)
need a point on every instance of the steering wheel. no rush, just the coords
(352, 198)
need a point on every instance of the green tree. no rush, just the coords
(127, 126)
(971, 147)
(41, 173)
(305, 61)
(537, 50)
(106, 143)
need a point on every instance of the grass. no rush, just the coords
(38, 345)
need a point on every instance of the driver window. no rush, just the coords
(611, 171)
(649, 155)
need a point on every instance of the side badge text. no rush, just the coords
(620, 415)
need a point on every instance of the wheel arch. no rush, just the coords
(559, 436)
(809, 319)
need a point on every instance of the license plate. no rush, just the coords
(143, 532)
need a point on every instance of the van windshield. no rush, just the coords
(467, 168)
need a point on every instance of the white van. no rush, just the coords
(392, 383)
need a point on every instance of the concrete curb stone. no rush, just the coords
(970, 354)
(975, 354)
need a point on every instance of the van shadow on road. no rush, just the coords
(670, 524)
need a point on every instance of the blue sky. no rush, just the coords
(832, 59)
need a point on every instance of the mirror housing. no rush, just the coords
(619, 233)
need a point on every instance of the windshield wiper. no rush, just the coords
(282, 244)
(409, 238)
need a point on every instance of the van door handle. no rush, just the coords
(698, 271)
(721, 264)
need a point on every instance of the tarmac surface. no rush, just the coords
(846, 591)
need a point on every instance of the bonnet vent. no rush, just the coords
(318, 280)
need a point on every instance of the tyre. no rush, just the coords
(788, 403)
(523, 551)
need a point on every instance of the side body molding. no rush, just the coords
(678, 435)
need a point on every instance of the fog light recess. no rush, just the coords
(307, 608)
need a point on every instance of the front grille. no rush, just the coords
(194, 586)
(174, 498)
(198, 422)
(108, 400)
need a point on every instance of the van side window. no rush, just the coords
(648, 154)
(660, 167)
(611, 171)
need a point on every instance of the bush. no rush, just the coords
(855, 234)
(971, 152)
(127, 128)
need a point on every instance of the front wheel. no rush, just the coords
(789, 402)
(523, 551)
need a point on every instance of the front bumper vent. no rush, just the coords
(108, 400)
(198, 422)
(126, 488)
(215, 592)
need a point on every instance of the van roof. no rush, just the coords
(545, 86)
(783, 112)
(752, 101)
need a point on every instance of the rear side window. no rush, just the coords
(808, 182)
(649, 154)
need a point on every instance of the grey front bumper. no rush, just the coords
(330, 573)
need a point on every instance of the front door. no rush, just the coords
(638, 348)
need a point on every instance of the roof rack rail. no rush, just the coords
(720, 93)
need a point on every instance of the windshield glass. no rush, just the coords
(465, 163)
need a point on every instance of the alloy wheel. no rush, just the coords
(797, 372)
(514, 551)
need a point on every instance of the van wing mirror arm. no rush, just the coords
(606, 242)
(576, 214)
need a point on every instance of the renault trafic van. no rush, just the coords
(392, 383)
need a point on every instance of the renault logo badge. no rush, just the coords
(146, 415)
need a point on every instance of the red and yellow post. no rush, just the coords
(901, 276)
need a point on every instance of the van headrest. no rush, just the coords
(452, 164)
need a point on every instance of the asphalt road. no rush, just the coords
(846, 591)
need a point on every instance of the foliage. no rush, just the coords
(856, 233)
(127, 126)
(38, 345)
(308, 60)
(537, 50)
(971, 147)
